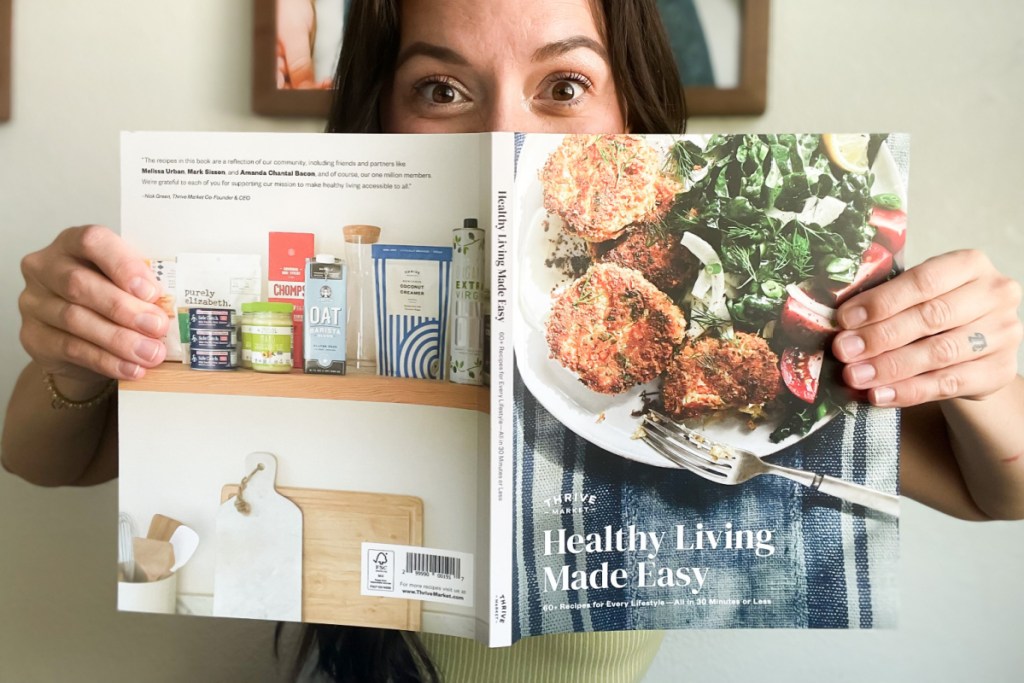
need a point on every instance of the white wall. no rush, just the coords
(950, 73)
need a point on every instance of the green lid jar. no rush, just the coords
(267, 336)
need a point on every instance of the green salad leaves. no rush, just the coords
(777, 212)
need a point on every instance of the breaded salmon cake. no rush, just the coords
(662, 259)
(716, 374)
(614, 329)
(601, 184)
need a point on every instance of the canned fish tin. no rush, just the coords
(212, 318)
(267, 336)
(213, 359)
(204, 338)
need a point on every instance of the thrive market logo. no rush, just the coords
(569, 503)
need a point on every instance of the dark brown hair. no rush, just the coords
(351, 654)
(644, 70)
(651, 97)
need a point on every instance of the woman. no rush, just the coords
(574, 66)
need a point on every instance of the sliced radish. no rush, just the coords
(811, 304)
(874, 268)
(890, 227)
(805, 327)
(800, 371)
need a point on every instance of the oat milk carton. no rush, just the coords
(324, 319)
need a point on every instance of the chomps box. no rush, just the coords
(287, 279)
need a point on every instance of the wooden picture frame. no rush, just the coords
(750, 94)
(747, 97)
(267, 99)
(6, 36)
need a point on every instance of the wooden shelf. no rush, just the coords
(357, 385)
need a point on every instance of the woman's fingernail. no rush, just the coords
(852, 317)
(147, 349)
(147, 323)
(884, 395)
(142, 288)
(862, 372)
(851, 346)
(130, 370)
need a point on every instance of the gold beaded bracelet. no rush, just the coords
(61, 402)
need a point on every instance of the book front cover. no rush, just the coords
(674, 301)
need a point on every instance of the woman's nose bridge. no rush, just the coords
(507, 108)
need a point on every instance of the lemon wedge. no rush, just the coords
(848, 151)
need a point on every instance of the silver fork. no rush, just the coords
(728, 465)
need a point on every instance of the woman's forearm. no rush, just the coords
(58, 447)
(987, 438)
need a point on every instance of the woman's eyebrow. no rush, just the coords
(560, 47)
(438, 52)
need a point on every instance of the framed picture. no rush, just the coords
(5, 60)
(274, 95)
(721, 48)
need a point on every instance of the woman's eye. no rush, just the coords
(440, 92)
(564, 91)
(567, 88)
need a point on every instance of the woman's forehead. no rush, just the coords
(513, 27)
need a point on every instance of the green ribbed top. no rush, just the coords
(610, 657)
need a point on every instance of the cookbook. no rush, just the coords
(502, 385)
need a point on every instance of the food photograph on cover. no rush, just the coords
(674, 302)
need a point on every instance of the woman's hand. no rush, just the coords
(87, 311)
(943, 329)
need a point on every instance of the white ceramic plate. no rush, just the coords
(606, 421)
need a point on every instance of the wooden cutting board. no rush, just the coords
(334, 526)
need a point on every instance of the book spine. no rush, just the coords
(502, 455)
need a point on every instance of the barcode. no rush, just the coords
(434, 564)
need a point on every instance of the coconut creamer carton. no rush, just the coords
(325, 316)
(286, 277)
(413, 285)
